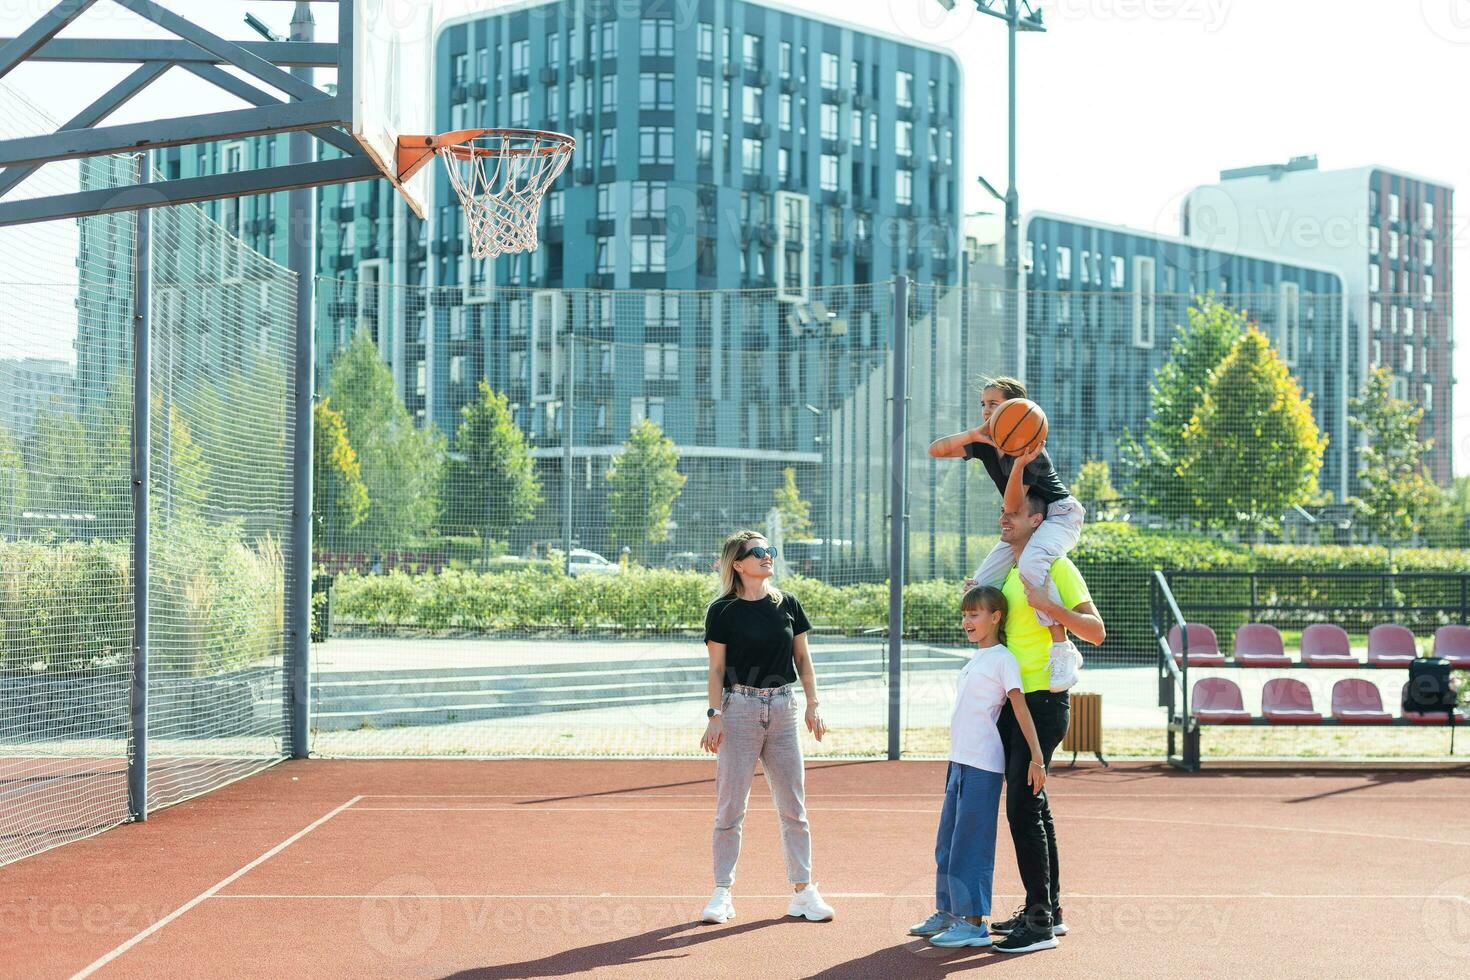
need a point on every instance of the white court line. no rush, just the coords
(208, 893)
(900, 796)
(842, 895)
(925, 810)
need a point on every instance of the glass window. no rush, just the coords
(648, 253)
(857, 128)
(604, 256)
(705, 94)
(1428, 287)
(1428, 213)
(784, 111)
(1376, 315)
(656, 90)
(608, 153)
(829, 69)
(706, 41)
(1393, 207)
(829, 172)
(520, 57)
(1393, 246)
(609, 47)
(751, 152)
(1116, 281)
(656, 37)
(783, 164)
(753, 52)
(785, 56)
(704, 145)
(656, 144)
(829, 121)
(1374, 237)
(905, 84)
(1373, 278)
(753, 96)
(855, 77)
(605, 210)
(904, 187)
(872, 131)
(1428, 252)
(609, 93)
(1064, 262)
(903, 137)
(1085, 264)
(520, 109)
(555, 207)
(553, 48)
(649, 199)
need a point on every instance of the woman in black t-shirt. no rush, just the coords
(756, 636)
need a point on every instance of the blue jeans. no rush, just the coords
(964, 851)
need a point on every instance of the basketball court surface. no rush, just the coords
(544, 869)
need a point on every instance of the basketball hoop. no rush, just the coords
(500, 176)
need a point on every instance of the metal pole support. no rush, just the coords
(141, 477)
(301, 258)
(898, 516)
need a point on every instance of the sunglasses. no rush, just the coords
(759, 552)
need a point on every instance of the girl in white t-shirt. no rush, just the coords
(965, 849)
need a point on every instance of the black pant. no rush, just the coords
(1028, 813)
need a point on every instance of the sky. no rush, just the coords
(1123, 105)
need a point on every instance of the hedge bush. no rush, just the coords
(1117, 560)
(215, 603)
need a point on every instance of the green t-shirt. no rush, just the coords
(1025, 636)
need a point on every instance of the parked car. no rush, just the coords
(689, 561)
(586, 562)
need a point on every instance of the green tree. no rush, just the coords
(1395, 495)
(491, 480)
(1253, 449)
(795, 513)
(1151, 467)
(643, 483)
(1094, 487)
(401, 464)
(339, 499)
(13, 482)
(68, 472)
(1447, 525)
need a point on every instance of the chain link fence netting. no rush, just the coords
(222, 328)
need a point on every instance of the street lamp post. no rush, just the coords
(1019, 15)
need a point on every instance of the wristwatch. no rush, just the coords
(712, 712)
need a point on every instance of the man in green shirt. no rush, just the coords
(1039, 921)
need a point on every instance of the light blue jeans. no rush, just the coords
(761, 727)
(964, 850)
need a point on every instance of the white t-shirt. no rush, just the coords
(974, 739)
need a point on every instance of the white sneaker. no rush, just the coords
(809, 905)
(1066, 663)
(720, 907)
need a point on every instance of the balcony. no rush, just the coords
(790, 85)
(548, 74)
(861, 101)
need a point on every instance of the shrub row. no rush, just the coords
(1117, 560)
(215, 603)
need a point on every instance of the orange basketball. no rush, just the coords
(1017, 426)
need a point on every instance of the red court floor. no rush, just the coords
(562, 868)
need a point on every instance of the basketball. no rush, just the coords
(1017, 426)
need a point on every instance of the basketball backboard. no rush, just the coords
(392, 58)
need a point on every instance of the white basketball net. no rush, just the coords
(500, 177)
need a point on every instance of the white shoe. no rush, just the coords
(1065, 664)
(809, 905)
(720, 907)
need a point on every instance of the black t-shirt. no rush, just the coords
(759, 638)
(1040, 475)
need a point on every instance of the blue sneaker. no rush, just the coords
(934, 925)
(963, 933)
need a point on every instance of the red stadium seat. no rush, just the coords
(1286, 701)
(1432, 717)
(1453, 644)
(1390, 645)
(1204, 647)
(1217, 702)
(1260, 645)
(1327, 645)
(1356, 701)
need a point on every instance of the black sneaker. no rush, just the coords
(1003, 927)
(1026, 940)
(1058, 927)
